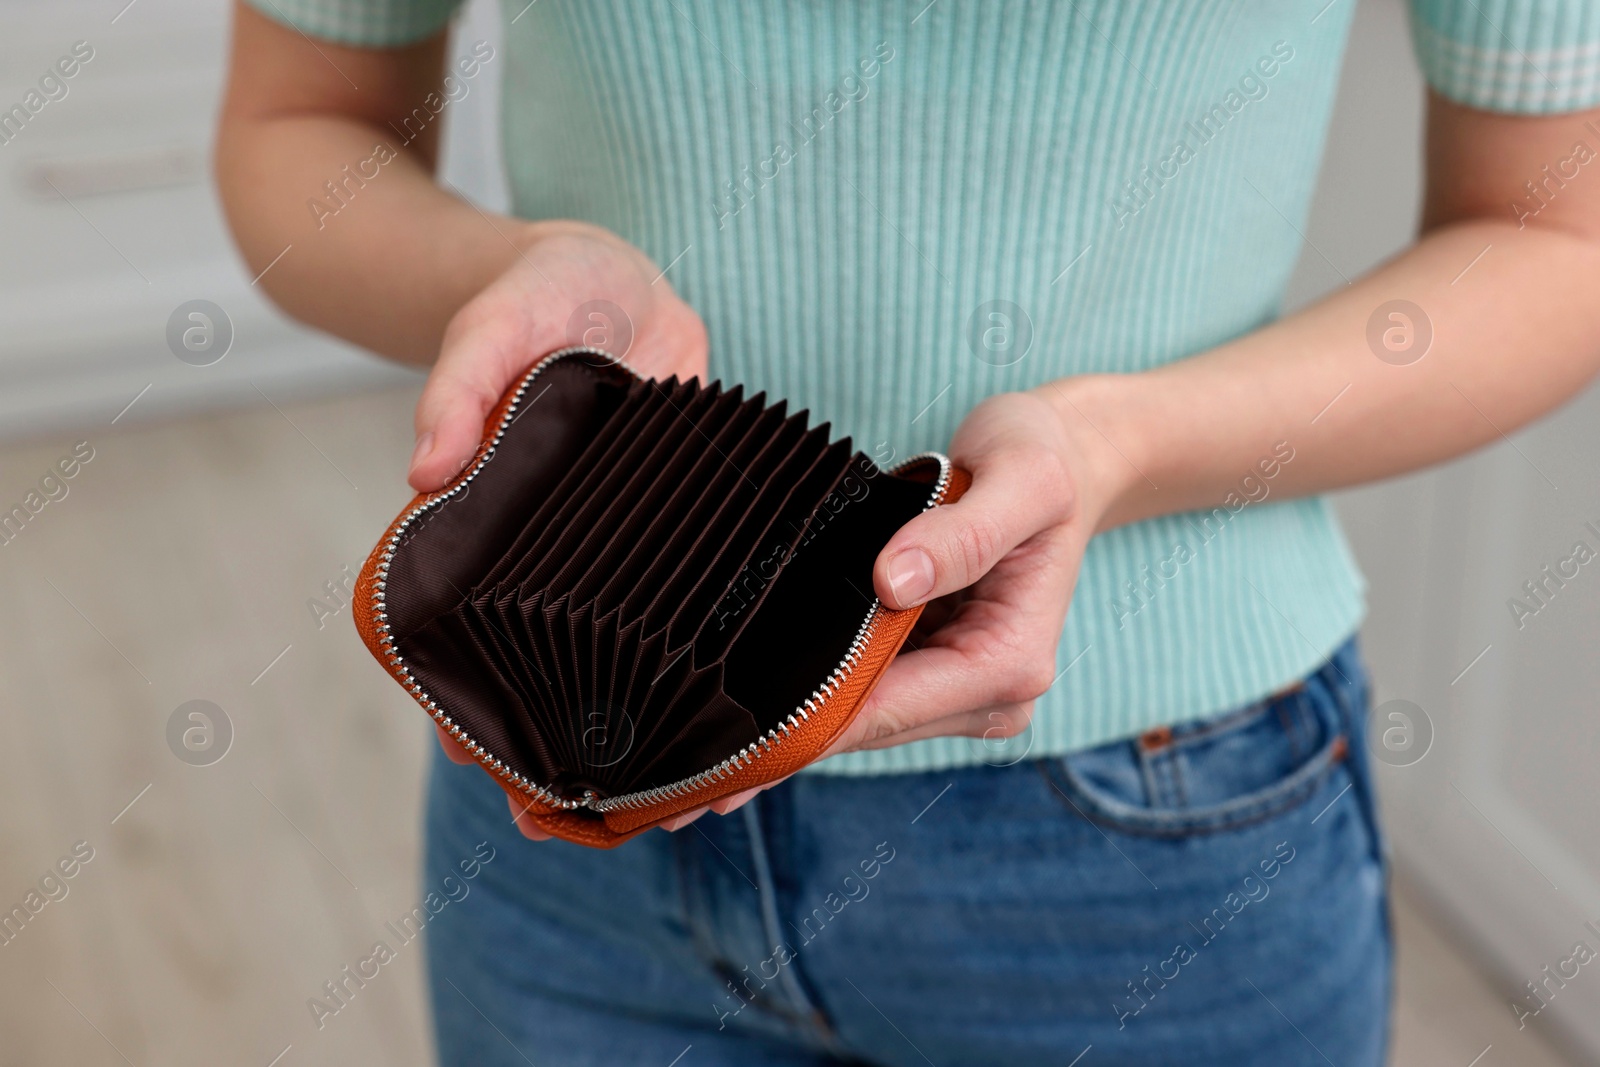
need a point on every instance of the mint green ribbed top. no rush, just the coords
(886, 210)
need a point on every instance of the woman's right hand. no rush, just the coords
(570, 283)
(536, 306)
(405, 269)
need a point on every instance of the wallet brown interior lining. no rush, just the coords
(643, 578)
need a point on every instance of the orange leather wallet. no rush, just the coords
(642, 596)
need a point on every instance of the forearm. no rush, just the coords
(1513, 337)
(385, 256)
(389, 269)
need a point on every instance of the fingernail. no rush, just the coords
(911, 576)
(420, 453)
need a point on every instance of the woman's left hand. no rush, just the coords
(1043, 481)
(1008, 552)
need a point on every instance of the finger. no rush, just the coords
(738, 800)
(992, 726)
(998, 648)
(466, 384)
(727, 804)
(671, 341)
(479, 360)
(523, 816)
(922, 686)
(934, 683)
(678, 822)
(452, 747)
(1014, 495)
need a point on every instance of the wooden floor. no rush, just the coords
(220, 898)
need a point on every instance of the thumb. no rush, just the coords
(950, 547)
(465, 386)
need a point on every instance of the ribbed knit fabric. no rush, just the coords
(1531, 56)
(843, 190)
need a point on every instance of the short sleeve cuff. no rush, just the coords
(1524, 56)
(362, 23)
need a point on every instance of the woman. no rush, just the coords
(1118, 805)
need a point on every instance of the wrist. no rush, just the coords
(526, 233)
(1106, 442)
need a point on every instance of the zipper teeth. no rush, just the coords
(760, 747)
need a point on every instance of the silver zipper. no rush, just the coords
(750, 753)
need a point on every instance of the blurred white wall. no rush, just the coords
(108, 221)
(1499, 822)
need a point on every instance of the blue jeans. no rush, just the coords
(1210, 894)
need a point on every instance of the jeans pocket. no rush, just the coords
(1210, 776)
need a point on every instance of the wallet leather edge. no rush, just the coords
(369, 619)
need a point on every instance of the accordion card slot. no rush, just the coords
(821, 586)
(649, 561)
(715, 728)
(665, 579)
(527, 619)
(782, 529)
(620, 501)
(487, 500)
(505, 661)
(559, 543)
(522, 663)
(668, 699)
(641, 502)
(644, 559)
(728, 546)
(662, 510)
(608, 439)
(444, 655)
